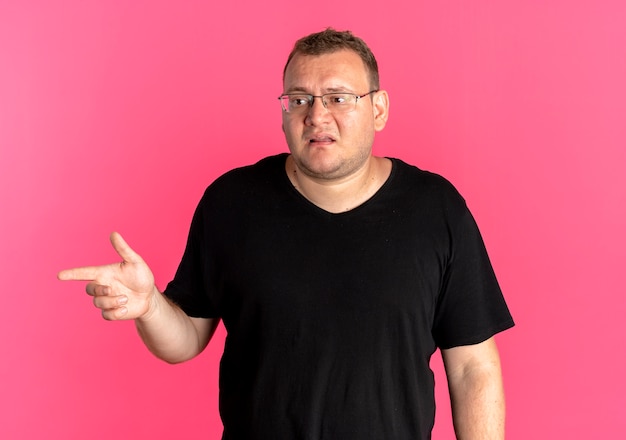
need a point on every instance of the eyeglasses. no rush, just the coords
(300, 103)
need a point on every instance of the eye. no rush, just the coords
(298, 100)
(338, 99)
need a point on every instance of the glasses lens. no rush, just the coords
(334, 102)
(340, 102)
(295, 103)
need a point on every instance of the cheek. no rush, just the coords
(287, 126)
(356, 128)
(292, 131)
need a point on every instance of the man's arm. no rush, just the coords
(126, 290)
(476, 391)
(170, 334)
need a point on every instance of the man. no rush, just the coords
(336, 273)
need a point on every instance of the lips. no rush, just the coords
(321, 138)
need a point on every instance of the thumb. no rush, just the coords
(123, 249)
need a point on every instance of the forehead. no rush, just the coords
(343, 69)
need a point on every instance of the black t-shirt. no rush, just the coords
(332, 319)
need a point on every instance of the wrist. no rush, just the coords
(153, 305)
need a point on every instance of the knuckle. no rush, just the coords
(114, 313)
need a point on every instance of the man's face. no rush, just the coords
(326, 145)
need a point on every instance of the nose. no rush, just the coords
(317, 111)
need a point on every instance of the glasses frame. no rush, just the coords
(322, 97)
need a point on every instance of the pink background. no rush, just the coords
(116, 115)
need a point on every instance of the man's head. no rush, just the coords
(329, 41)
(331, 81)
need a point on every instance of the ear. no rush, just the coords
(381, 109)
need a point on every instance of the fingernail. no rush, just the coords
(122, 300)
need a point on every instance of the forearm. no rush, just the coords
(478, 406)
(168, 332)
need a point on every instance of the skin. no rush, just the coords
(126, 290)
(331, 164)
(476, 390)
(331, 160)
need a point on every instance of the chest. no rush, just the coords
(283, 265)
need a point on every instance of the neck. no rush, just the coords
(344, 194)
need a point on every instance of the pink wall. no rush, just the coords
(116, 115)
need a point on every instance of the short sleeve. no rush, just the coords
(470, 306)
(191, 287)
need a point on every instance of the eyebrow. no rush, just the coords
(325, 91)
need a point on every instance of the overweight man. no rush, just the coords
(336, 274)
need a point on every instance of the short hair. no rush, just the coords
(331, 40)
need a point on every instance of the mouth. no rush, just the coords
(321, 139)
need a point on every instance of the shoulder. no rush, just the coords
(266, 168)
(239, 193)
(250, 177)
(422, 185)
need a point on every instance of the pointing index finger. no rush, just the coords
(91, 273)
(87, 273)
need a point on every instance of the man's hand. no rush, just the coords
(122, 290)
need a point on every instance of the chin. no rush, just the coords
(326, 170)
